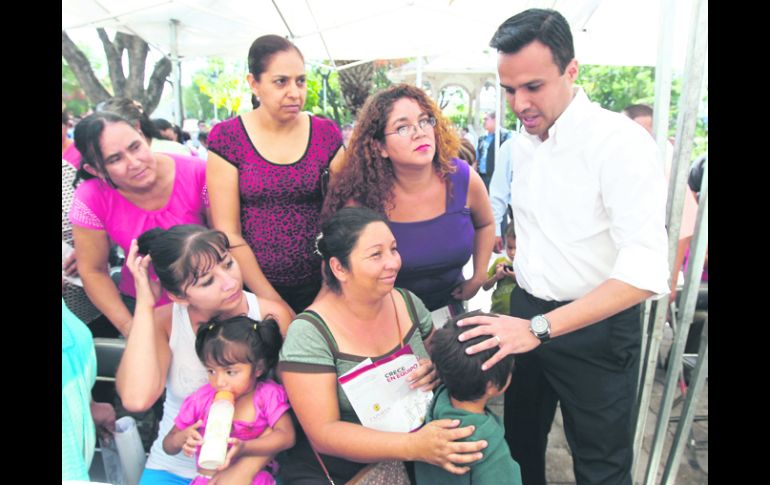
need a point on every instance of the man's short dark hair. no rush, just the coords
(460, 372)
(544, 25)
(634, 111)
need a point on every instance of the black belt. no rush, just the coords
(545, 305)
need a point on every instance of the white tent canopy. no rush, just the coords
(615, 32)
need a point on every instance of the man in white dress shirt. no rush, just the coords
(588, 199)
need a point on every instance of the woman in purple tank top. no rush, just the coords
(264, 174)
(400, 163)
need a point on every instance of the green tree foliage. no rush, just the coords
(314, 83)
(224, 83)
(615, 87)
(314, 102)
(460, 116)
(196, 104)
(73, 97)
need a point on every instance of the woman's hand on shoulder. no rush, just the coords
(437, 444)
(424, 377)
(280, 310)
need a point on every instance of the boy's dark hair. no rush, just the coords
(460, 372)
(510, 231)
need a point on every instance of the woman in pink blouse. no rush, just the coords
(126, 190)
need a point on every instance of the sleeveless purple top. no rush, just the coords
(280, 204)
(433, 252)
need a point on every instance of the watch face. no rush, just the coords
(539, 325)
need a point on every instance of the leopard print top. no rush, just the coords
(280, 204)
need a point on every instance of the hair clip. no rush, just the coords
(211, 326)
(255, 326)
(318, 239)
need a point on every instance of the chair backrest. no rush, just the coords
(108, 354)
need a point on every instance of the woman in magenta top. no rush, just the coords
(264, 174)
(400, 163)
(127, 190)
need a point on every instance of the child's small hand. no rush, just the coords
(508, 273)
(192, 438)
(104, 418)
(500, 271)
(233, 453)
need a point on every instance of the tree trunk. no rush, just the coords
(129, 87)
(81, 67)
(114, 54)
(355, 84)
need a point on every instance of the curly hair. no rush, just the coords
(367, 178)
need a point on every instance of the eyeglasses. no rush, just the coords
(406, 130)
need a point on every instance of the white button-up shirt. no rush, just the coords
(500, 184)
(588, 205)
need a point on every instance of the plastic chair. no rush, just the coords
(74, 296)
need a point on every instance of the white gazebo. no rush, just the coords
(471, 71)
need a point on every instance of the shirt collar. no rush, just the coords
(567, 124)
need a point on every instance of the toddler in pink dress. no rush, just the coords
(238, 354)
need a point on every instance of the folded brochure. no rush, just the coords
(380, 395)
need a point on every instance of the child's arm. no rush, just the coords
(186, 440)
(269, 443)
(488, 284)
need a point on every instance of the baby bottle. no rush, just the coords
(218, 425)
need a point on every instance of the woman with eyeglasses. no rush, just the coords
(401, 163)
(265, 172)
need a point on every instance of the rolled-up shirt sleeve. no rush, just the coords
(634, 195)
(500, 184)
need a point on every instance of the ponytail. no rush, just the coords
(240, 339)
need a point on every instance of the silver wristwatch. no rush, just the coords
(540, 328)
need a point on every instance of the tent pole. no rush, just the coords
(176, 73)
(418, 77)
(689, 101)
(650, 351)
(498, 111)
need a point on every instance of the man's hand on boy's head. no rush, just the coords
(511, 334)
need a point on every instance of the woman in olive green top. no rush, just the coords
(359, 314)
